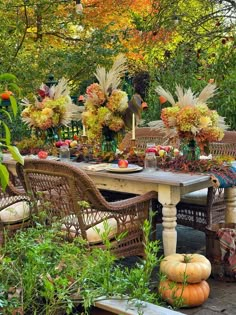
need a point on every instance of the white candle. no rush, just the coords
(133, 127)
(84, 132)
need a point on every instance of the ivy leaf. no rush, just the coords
(7, 114)
(13, 105)
(15, 154)
(4, 176)
(7, 134)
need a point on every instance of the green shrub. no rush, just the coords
(42, 273)
(7, 81)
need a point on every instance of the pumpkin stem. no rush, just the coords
(187, 258)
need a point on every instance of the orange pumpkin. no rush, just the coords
(190, 294)
(6, 95)
(191, 268)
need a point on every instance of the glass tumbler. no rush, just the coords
(64, 153)
(150, 162)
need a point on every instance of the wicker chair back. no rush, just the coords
(68, 194)
(143, 136)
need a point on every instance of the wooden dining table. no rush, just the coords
(169, 185)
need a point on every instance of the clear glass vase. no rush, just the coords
(190, 150)
(49, 135)
(52, 135)
(109, 140)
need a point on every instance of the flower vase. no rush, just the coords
(191, 150)
(109, 141)
(52, 135)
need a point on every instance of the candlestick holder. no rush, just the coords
(133, 142)
(133, 145)
(84, 139)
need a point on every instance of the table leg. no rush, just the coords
(230, 200)
(169, 197)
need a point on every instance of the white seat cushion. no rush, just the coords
(198, 197)
(93, 235)
(17, 212)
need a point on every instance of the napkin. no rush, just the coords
(206, 157)
(96, 167)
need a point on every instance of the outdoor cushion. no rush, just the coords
(17, 212)
(198, 197)
(93, 236)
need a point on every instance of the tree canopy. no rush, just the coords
(48, 36)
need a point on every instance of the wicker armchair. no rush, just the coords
(227, 146)
(14, 211)
(143, 136)
(67, 193)
(207, 206)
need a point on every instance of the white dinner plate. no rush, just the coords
(49, 157)
(131, 168)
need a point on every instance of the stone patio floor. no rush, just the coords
(222, 299)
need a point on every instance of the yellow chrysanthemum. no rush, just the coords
(116, 124)
(52, 110)
(47, 112)
(204, 122)
(118, 101)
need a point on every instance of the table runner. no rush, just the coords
(224, 180)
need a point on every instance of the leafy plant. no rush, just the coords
(35, 144)
(5, 136)
(42, 273)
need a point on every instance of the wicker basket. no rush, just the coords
(220, 268)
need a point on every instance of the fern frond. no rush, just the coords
(101, 76)
(111, 79)
(179, 92)
(117, 71)
(207, 92)
(222, 124)
(71, 113)
(185, 97)
(166, 94)
(61, 89)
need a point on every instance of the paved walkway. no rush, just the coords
(222, 299)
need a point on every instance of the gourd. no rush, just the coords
(184, 294)
(190, 268)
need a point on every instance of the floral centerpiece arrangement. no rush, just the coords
(106, 104)
(52, 108)
(194, 122)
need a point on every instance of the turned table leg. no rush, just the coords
(169, 197)
(230, 200)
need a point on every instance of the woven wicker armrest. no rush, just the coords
(11, 195)
(15, 191)
(134, 201)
